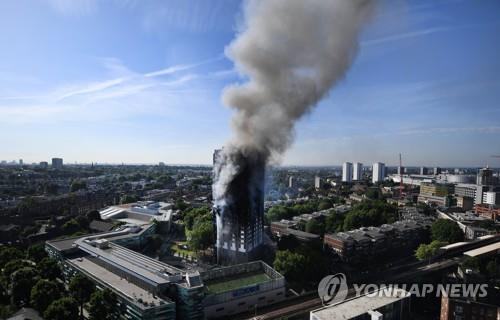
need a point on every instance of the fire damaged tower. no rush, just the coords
(239, 213)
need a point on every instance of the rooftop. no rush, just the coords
(230, 283)
(483, 250)
(358, 306)
(119, 284)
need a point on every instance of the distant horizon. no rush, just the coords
(368, 164)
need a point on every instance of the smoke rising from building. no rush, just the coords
(292, 52)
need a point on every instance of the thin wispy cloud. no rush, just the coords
(74, 7)
(151, 91)
(404, 36)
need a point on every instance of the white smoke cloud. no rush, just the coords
(293, 52)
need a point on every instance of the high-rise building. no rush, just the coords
(485, 177)
(491, 198)
(401, 170)
(291, 182)
(378, 172)
(437, 170)
(347, 172)
(44, 164)
(357, 171)
(239, 211)
(20, 162)
(57, 163)
(317, 182)
(423, 170)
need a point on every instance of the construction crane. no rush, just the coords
(400, 178)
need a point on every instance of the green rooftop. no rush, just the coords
(231, 283)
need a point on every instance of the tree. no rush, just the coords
(14, 265)
(471, 263)
(447, 231)
(49, 268)
(21, 283)
(202, 235)
(370, 213)
(290, 264)
(288, 242)
(93, 215)
(36, 252)
(102, 305)
(8, 254)
(78, 185)
(373, 193)
(492, 269)
(334, 221)
(427, 251)
(71, 227)
(62, 309)
(44, 293)
(128, 198)
(325, 204)
(313, 226)
(81, 288)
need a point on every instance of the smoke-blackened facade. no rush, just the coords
(239, 211)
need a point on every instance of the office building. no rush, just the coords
(347, 172)
(465, 203)
(291, 182)
(148, 289)
(391, 304)
(317, 183)
(485, 177)
(57, 163)
(44, 165)
(423, 171)
(378, 172)
(357, 171)
(462, 309)
(437, 170)
(491, 198)
(438, 194)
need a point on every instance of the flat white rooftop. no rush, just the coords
(355, 307)
(119, 284)
(483, 250)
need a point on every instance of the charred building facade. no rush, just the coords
(239, 211)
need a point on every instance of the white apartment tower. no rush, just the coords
(378, 172)
(357, 171)
(347, 172)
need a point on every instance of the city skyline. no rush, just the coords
(117, 82)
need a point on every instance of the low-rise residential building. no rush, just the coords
(489, 211)
(363, 243)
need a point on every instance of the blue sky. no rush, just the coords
(140, 82)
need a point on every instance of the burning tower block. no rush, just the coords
(239, 209)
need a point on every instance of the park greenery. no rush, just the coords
(447, 231)
(30, 278)
(199, 228)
